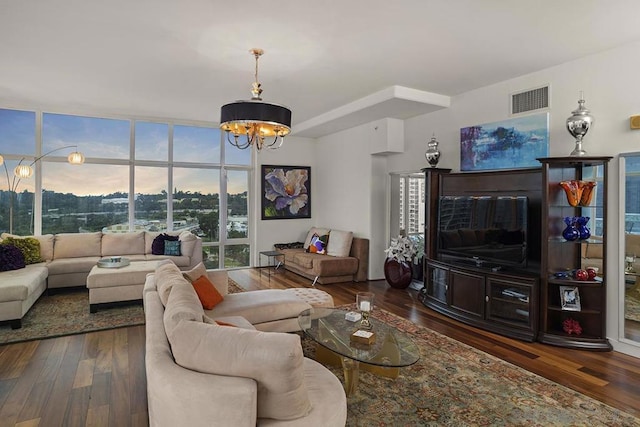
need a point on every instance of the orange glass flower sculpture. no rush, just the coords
(587, 192)
(573, 191)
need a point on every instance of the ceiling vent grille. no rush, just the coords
(530, 100)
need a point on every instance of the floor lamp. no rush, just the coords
(23, 171)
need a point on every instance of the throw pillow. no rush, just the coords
(157, 246)
(11, 257)
(207, 293)
(29, 246)
(318, 244)
(340, 243)
(172, 247)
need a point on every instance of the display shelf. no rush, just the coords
(560, 255)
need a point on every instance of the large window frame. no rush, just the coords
(169, 164)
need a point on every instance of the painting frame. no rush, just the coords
(570, 298)
(514, 143)
(285, 192)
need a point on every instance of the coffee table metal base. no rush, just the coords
(351, 368)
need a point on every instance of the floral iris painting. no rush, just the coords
(510, 144)
(286, 192)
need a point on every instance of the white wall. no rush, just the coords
(295, 151)
(609, 81)
(352, 190)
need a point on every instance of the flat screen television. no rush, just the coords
(488, 231)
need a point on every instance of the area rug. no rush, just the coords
(631, 307)
(67, 313)
(457, 385)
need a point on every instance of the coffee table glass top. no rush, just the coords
(329, 328)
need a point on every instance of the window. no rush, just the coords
(407, 196)
(170, 173)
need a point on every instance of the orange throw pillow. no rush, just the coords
(207, 293)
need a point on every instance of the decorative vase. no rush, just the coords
(432, 154)
(573, 190)
(398, 274)
(578, 125)
(587, 192)
(571, 232)
(583, 231)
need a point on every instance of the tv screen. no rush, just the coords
(483, 229)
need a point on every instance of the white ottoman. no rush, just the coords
(118, 284)
(313, 297)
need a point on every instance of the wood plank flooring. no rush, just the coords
(98, 379)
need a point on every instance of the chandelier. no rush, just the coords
(254, 122)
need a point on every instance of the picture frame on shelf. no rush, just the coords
(286, 192)
(570, 298)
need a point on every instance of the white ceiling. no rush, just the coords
(333, 62)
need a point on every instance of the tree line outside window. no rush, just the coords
(138, 175)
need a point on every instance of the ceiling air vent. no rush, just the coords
(530, 100)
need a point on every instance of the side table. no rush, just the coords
(275, 260)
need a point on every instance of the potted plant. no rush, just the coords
(418, 241)
(397, 266)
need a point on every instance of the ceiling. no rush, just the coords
(335, 63)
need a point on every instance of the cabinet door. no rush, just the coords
(437, 282)
(511, 302)
(467, 292)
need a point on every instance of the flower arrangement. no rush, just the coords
(401, 249)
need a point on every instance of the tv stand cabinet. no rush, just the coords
(501, 302)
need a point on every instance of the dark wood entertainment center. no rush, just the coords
(517, 301)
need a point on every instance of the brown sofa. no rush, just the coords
(328, 268)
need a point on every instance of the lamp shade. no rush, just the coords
(272, 119)
(23, 171)
(76, 158)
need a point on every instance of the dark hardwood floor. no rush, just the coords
(98, 379)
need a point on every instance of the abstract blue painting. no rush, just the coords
(509, 144)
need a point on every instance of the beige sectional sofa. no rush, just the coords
(69, 257)
(201, 373)
(346, 258)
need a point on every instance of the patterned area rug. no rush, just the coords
(631, 307)
(456, 385)
(67, 313)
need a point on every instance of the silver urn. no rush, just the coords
(432, 154)
(578, 125)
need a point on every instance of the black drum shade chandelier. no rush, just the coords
(254, 122)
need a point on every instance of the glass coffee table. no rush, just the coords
(328, 327)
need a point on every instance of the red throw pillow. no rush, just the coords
(208, 294)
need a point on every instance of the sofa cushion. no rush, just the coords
(207, 293)
(187, 243)
(72, 265)
(75, 245)
(195, 272)
(261, 306)
(273, 359)
(339, 243)
(314, 230)
(17, 285)
(11, 257)
(167, 275)
(180, 261)
(29, 246)
(183, 304)
(122, 243)
(46, 246)
(303, 259)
